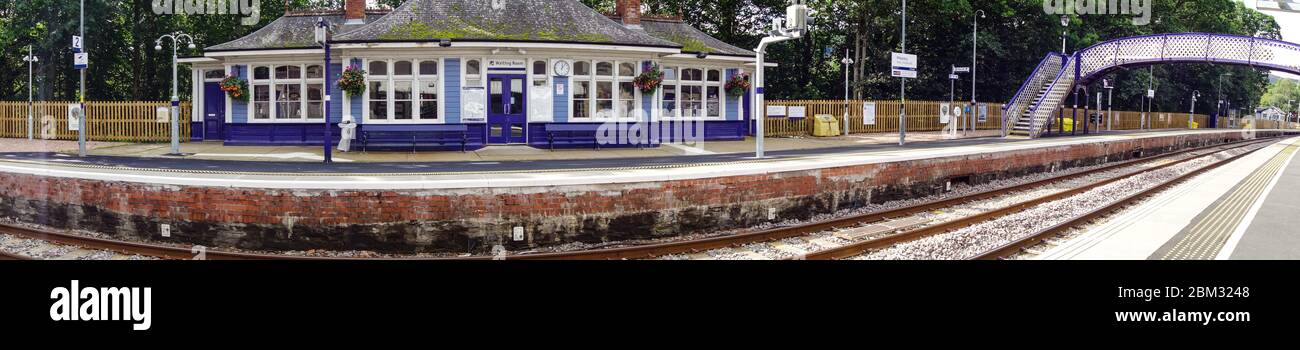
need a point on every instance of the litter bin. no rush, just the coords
(825, 125)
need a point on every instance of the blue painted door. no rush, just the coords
(507, 108)
(214, 111)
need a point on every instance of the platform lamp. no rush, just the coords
(1291, 103)
(974, 67)
(847, 61)
(322, 37)
(1065, 25)
(1110, 109)
(176, 39)
(795, 26)
(30, 59)
(1195, 94)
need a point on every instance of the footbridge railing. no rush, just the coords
(1094, 62)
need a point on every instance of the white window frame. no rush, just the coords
(420, 79)
(614, 79)
(306, 93)
(574, 79)
(391, 79)
(704, 85)
(271, 82)
(722, 95)
(464, 85)
(619, 79)
(253, 82)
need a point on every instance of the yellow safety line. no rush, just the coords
(1221, 215)
(1223, 211)
(1213, 229)
(1220, 232)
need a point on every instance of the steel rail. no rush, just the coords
(859, 248)
(1031, 240)
(698, 245)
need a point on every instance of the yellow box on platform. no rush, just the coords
(826, 125)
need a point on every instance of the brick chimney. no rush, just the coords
(629, 11)
(354, 12)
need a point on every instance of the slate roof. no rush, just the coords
(692, 40)
(293, 30)
(513, 20)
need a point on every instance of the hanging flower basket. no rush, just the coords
(738, 84)
(649, 80)
(235, 87)
(353, 81)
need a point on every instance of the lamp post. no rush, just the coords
(975, 46)
(322, 38)
(176, 39)
(797, 25)
(1110, 109)
(1292, 108)
(30, 59)
(1065, 25)
(1190, 115)
(902, 88)
(847, 62)
(81, 120)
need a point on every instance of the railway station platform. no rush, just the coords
(466, 206)
(1243, 210)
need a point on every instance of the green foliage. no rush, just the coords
(1283, 94)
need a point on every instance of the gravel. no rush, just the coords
(973, 240)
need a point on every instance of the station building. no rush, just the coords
(504, 69)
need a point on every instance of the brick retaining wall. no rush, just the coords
(472, 219)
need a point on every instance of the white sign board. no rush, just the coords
(76, 44)
(540, 107)
(797, 112)
(984, 113)
(956, 111)
(473, 105)
(952, 76)
(1151, 94)
(903, 65)
(961, 69)
(559, 89)
(944, 113)
(80, 60)
(776, 111)
(163, 114)
(499, 63)
(74, 117)
(869, 113)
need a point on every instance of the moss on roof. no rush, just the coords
(509, 20)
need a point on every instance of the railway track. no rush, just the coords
(1016, 245)
(900, 232)
(854, 221)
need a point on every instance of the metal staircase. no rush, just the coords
(1031, 92)
(1056, 77)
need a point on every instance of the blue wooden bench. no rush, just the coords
(572, 134)
(413, 136)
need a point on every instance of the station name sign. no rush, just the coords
(903, 65)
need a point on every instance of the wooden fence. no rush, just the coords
(924, 116)
(105, 121)
(1130, 120)
(921, 116)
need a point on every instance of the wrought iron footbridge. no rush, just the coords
(1058, 75)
